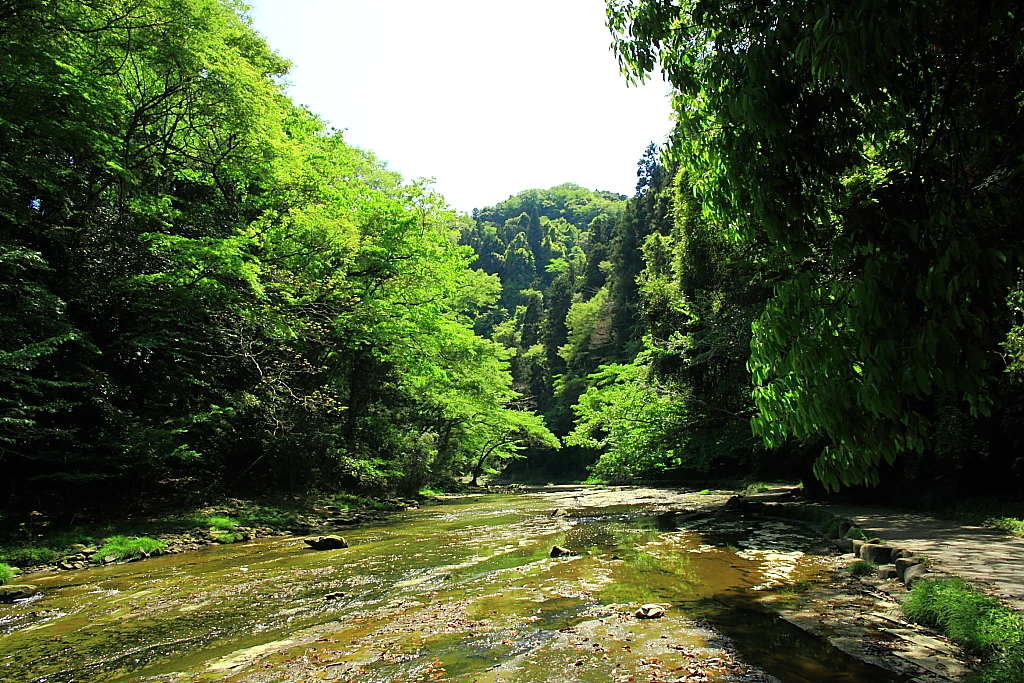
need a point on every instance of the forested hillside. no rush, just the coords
(204, 290)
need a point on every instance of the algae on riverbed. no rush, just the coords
(459, 592)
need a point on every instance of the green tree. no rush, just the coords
(876, 148)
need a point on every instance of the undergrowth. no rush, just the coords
(976, 622)
(7, 572)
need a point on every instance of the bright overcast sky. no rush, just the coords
(488, 97)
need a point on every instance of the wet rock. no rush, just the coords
(559, 512)
(876, 554)
(337, 595)
(913, 573)
(326, 542)
(887, 571)
(65, 566)
(558, 551)
(650, 611)
(905, 563)
(17, 592)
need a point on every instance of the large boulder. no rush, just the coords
(876, 554)
(886, 571)
(17, 592)
(326, 542)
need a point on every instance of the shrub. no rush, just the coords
(125, 548)
(976, 622)
(7, 572)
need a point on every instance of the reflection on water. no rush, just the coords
(464, 591)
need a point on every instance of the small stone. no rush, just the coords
(876, 554)
(887, 571)
(65, 566)
(337, 595)
(845, 545)
(558, 551)
(913, 573)
(904, 563)
(326, 542)
(650, 611)
(109, 559)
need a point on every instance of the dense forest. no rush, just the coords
(204, 290)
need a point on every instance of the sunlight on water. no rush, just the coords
(459, 592)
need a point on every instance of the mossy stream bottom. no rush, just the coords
(459, 592)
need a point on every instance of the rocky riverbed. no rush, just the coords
(467, 591)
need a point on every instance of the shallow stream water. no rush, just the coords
(463, 591)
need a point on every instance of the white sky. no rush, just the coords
(489, 97)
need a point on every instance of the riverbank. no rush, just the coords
(36, 546)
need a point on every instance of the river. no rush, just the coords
(463, 591)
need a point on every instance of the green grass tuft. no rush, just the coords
(862, 568)
(125, 548)
(976, 622)
(7, 572)
(704, 492)
(222, 522)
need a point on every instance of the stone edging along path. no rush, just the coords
(992, 561)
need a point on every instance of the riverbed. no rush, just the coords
(462, 591)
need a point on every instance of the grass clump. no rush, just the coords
(704, 492)
(862, 568)
(756, 487)
(7, 572)
(976, 622)
(125, 548)
(222, 522)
